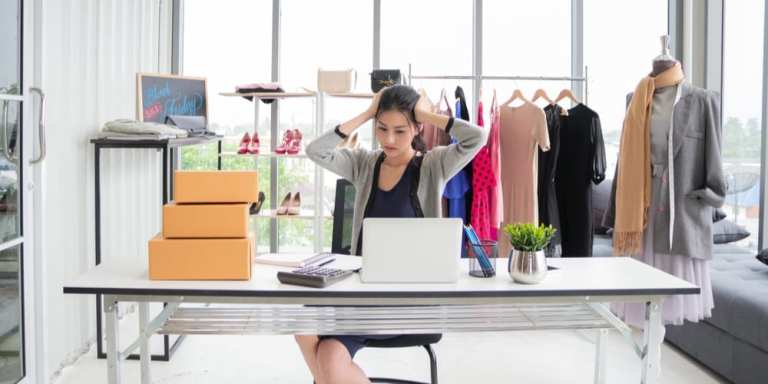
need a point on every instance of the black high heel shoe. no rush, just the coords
(256, 207)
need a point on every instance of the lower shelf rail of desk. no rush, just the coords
(380, 320)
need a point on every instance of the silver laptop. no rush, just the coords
(413, 250)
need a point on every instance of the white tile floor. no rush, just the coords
(520, 357)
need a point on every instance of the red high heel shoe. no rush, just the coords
(244, 143)
(287, 140)
(295, 143)
(253, 147)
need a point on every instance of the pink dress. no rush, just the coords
(485, 218)
(522, 130)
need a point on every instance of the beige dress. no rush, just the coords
(523, 129)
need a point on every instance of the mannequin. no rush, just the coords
(664, 61)
(684, 135)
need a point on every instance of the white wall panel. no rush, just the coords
(92, 50)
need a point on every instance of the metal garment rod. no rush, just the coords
(489, 77)
(584, 79)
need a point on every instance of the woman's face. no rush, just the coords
(395, 133)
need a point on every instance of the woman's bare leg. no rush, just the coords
(308, 345)
(336, 365)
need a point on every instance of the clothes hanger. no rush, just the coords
(543, 94)
(442, 96)
(444, 99)
(566, 93)
(517, 94)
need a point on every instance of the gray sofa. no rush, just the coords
(734, 341)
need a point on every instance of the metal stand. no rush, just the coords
(169, 148)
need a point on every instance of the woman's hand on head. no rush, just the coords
(374, 107)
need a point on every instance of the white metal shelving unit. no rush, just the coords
(269, 213)
(318, 215)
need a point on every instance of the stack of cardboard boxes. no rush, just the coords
(205, 228)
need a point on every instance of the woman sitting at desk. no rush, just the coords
(399, 180)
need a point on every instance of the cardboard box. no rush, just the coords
(216, 187)
(205, 220)
(200, 259)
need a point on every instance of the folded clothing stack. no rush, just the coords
(259, 88)
(128, 127)
(205, 228)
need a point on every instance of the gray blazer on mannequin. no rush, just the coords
(699, 183)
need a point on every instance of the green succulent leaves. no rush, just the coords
(529, 237)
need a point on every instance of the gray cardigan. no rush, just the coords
(437, 167)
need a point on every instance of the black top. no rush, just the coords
(580, 163)
(396, 202)
(582, 155)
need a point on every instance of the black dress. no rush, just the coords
(580, 163)
(548, 211)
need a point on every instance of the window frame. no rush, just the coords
(685, 44)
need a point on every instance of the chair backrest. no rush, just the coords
(343, 209)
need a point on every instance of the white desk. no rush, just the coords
(574, 297)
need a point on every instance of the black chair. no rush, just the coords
(341, 242)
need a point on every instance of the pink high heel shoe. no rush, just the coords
(244, 143)
(287, 140)
(253, 147)
(295, 145)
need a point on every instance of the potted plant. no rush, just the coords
(527, 263)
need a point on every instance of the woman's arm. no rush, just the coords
(469, 138)
(341, 161)
(351, 125)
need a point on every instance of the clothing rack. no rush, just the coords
(584, 79)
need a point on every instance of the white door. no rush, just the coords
(16, 127)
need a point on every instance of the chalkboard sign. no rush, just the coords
(163, 95)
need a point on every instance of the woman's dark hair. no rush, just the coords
(402, 98)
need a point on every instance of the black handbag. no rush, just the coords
(381, 78)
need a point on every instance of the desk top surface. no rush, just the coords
(599, 276)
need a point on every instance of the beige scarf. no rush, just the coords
(633, 183)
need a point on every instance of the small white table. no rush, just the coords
(576, 296)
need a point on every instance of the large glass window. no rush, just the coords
(621, 38)
(10, 46)
(741, 113)
(435, 38)
(341, 39)
(211, 33)
(523, 38)
(520, 38)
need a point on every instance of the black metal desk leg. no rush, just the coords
(165, 175)
(218, 155)
(97, 197)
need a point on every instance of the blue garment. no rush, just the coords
(395, 202)
(458, 186)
